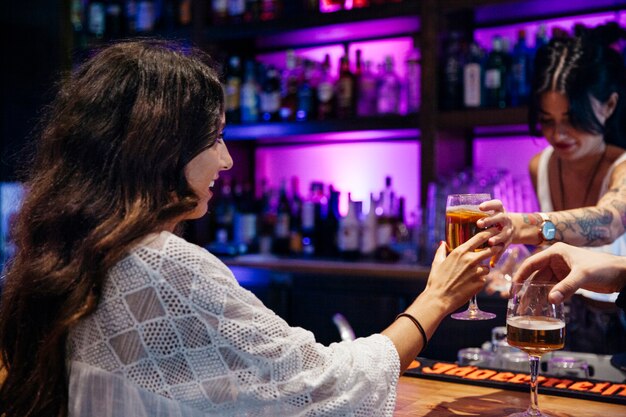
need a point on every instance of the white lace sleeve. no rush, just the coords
(175, 324)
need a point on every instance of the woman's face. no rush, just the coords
(568, 142)
(202, 172)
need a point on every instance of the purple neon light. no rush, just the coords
(531, 8)
(485, 36)
(349, 136)
(344, 32)
(359, 168)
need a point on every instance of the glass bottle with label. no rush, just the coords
(349, 234)
(250, 95)
(472, 77)
(232, 90)
(389, 89)
(495, 76)
(270, 96)
(345, 90)
(326, 92)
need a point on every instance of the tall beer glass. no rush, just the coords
(462, 213)
(535, 326)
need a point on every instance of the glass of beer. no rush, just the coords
(462, 213)
(536, 326)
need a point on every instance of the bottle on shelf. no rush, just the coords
(413, 79)
(346, 86)
(270, 96)
(520, 71)
(496, 76)
(307, 93)
(281, 241)
(266, 207)
(289, 87)
(114, 20)
(250, 95)
(219, 12)
(270, 9)
(97, 18)
(236, 10)
(295, 226)
(326, 92)
(452, 77)
(184, 12)
(473, 77)
(232, 90)
(389, 89)
(367, 100)
(331, 224)
(146, 16)
(131, 17)
(349, 234)
(245, 220)
(368, 231)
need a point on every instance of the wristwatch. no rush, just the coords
(547, 229)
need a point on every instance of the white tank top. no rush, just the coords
(544, 196)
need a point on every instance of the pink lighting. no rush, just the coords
(350, 136)
(341, 33)
(484, 36)
(359, 168)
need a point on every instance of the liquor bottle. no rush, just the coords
(495, 76)
(520, 71)
(389, 89)
(232, 90)
(252, 13)
(270, 9)
(184, 12)
(385, 224)
(331, 224)
(307, 93)
(77, 18)
(266, 207)
(472, 77)
(295, 227)
(312, 216)
(219, 11)
(146, 16)
(452, 67)
(250, 95)
(349, 234)
(289, 88)
(413, 79)
(368, 236)
(131, 17)
(114, 23)
(367, 101)
(97, 18)
(270, 96)
(326, 92)
(245, 220)
(224, 212)
(236, 10)
(280, 244)
(345, 90)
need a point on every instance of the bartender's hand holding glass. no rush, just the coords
(465, 215)
(536, 326)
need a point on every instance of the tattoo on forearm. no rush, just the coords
(525, 218)
(593, 225)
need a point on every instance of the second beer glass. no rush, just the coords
(462, 213)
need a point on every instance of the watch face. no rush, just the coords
(548, 230)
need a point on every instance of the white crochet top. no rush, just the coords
(176, 335)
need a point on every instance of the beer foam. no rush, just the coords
(535, 323)
(465, 208)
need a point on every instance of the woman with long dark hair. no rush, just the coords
(107, 312)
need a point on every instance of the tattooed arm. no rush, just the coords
(587, 226)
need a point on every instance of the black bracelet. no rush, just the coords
(419, 327)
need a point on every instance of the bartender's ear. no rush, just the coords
(610, 105)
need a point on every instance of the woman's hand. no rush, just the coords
(500, 220)
(454, 279)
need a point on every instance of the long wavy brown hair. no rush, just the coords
(108, 169)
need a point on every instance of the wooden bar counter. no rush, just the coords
(432, 398)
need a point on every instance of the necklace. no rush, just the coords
(589, 184)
